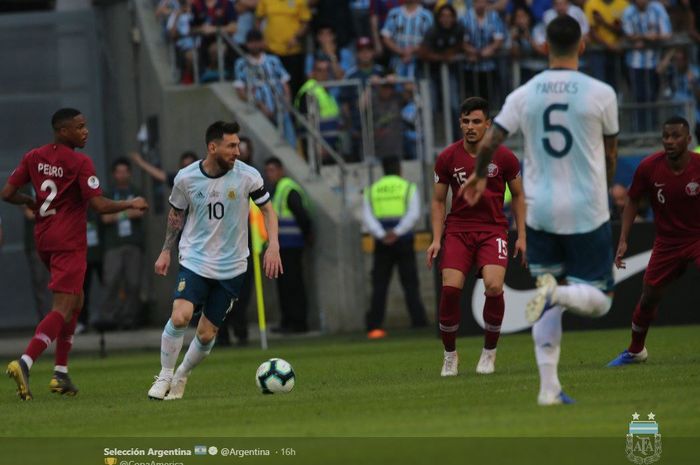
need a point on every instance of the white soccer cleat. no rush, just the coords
(487, 362)
(160, 387)
(449, 365)
(546, 289)
(177, 388)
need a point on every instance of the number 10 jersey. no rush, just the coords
(214, 242)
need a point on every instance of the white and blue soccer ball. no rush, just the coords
(275, 376)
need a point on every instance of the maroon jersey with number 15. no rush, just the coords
(453, 166)
(64, 181)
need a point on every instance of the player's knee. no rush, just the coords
(605, 306)
(493, 288)
(649, 299)
(206, 335)
(180, 319)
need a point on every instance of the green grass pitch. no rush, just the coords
(347, 386)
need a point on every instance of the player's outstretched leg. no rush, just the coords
(60, 381)
(546, 334)
(196, 353)
(449, 324)
(170, 346)
(644, 314)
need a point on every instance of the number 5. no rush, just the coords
(549, 127)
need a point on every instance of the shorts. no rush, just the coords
(669, 261)
(585, 258)
(461, 250)
(214, 297)
(67, 270)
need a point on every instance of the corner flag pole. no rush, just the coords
(259, 236)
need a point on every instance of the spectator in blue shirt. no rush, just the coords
(683, 81)
(403, 33)
(484, 35)
(645, 24)
(267, 80)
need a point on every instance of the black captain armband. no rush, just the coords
(260, 196)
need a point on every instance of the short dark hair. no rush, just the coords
(121, 161)
(274, 161)
(217, 130)
(63, 115)
(391, 165)
(563, 36)
(253, 36)
(445, 6)
(188, 154)
(473, 104)
(674, 120)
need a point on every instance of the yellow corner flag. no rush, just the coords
(258, 238)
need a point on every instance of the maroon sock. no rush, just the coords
(449, 316)
(64, 342)
(46, 331)
(641, 320)
(494, 308)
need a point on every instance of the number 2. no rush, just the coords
(53, 190)
(550, 127)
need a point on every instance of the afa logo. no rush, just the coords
(231, 194)
(692, 189)
(643, 440)
(181, 285)
(493, 170)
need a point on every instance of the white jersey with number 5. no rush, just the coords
(214, 242)
(563, 115)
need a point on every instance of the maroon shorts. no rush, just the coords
(461, 251)
(669, 261)
(67, 270)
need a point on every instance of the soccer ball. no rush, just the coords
(275, 376)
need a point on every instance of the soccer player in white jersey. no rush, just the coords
(213, 194)
(569, 122)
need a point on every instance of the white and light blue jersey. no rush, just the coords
(653, 19)
(564, 115)
(214, 242)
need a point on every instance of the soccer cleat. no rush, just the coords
(160, 387)
(487, 362)
(61, 384)
(628, 358)
(18, 371)
(546, 398)
(376, 334)
(546, 288)
(177, 388)
(449, 365)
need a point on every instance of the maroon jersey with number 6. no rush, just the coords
(64, 180)
(453, 166)
(675, 198)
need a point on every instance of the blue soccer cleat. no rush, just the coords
(628, 358)
(554, 399)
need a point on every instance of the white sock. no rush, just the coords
(170, 346)
(28, 360)
(583, 299)
(194, 356)
(546, 333)
(61, 369)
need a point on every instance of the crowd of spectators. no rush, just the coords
(628, 46)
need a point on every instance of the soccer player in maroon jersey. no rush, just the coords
(670, 179)
(475, 235)
(65, 184)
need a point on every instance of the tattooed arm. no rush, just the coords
(476, 183)
(176, 220)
